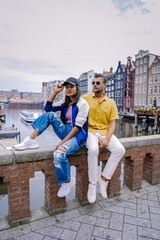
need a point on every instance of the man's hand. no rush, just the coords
(104, 142)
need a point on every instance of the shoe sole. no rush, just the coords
(91, 201)
(21, 149)
(100, 191)
(72, 184)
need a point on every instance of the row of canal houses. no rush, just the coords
(135, 84)
(120, 85)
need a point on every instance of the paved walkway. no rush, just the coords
(131, 216)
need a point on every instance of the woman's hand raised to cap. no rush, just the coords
(59, 87)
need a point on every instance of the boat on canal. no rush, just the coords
(2, 114)
(29, 116)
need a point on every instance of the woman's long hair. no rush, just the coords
(76, 96)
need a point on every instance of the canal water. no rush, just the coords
(49, 138)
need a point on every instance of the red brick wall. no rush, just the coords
(139, 162)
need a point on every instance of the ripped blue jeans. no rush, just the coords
(60, 158)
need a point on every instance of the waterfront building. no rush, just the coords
(32, 96)
(110, 87)
(128, 86)
(118, 93)
(48, 88)
(44, 92)
(154, 83)
(85, 82)
(144, 60)
(15, 96)
(4, 96)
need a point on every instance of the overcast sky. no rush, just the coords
(44, 40)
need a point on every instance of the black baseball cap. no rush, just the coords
(72, 80)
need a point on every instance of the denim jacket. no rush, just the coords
(79, 116)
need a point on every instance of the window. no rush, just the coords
(156, 69)
(137, 62)
(145, 60)
(151, 80)
(158, 101)
(155, 89)
(118, 101)
(155, 79)
(144, 89)
(159, 79)
(140, 89)
(153, 70)
(136, 79)
(141, 69)
(140, 100)
(145, 78)
(136, 89)
(137, 70)
(145, 69)
(150, 90)
(154, 101)
(150, 100)
(141, 61)
(144, 100)
(140, 78)
(128, 102)
(159, 89)
(136, 101)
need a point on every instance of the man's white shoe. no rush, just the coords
(91, 194)
(26, 144)
(102, 187)
(65, 189)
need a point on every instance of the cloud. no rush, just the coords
(33, 67)
(45, 40)
(127, 5)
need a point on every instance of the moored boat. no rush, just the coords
(2, 115)
(29, 116)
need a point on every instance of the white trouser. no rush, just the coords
(117, 152)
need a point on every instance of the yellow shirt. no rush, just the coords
(100, 113)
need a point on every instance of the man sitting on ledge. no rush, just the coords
(101, 126)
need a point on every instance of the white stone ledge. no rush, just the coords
(46, 152)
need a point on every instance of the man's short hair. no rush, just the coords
(100, 75)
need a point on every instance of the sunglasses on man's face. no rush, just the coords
(97, 83)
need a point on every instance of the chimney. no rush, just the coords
(111, 70)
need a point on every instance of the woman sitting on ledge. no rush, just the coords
(71, 128)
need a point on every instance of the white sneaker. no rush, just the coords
(91, 194)
(65, 189)
(27, 143)
(102, 187)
